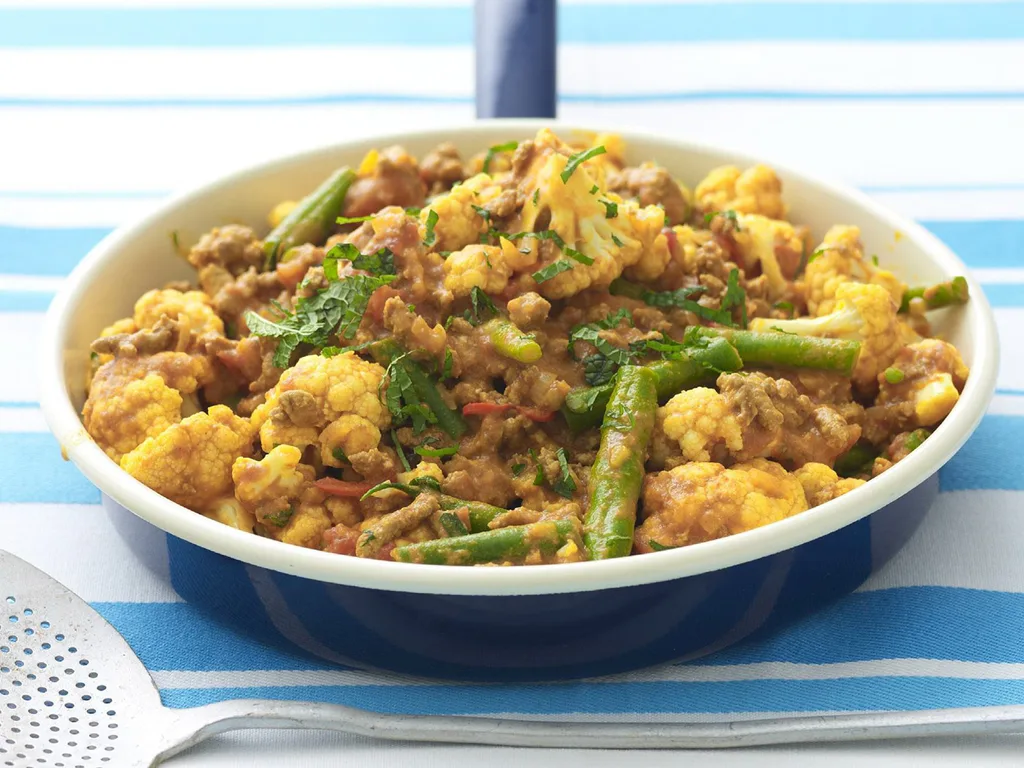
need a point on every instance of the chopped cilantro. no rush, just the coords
(339, 455)
(540, 478)
(331, 351)
(413, 211)
(575, 255)
(600, 367)
(452, 525)
(874, 259)
(280, 519)
(657, 547)
(817, 252)
(735, 296)
(337, 309)
(401, 453)
(431, 236)
(449, 360)
(565, 485)
(729, 215)
(508, 146)
(536, 196)
(579, 158)
(517, 468)
(611, 209)
(785, 306)
(483, 213)
(381, 262)
(481, 309)
(616, 241)
(354, 219)
(680, 299)
(594, 190)
(552, 269)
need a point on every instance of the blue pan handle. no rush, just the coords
(515, 58)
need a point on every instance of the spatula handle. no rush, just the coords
(190, 726)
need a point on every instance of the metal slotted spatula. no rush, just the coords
(74, 695)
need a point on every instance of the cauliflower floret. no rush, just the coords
(821, 483)
(230, 512)
(755, 190)
(754, 416)
(423, 469)
(279, 493)
(761, 241)
(478, 266)
(192, 309)
(458, 223)
(696, 420)
(648, 226)
(318, 391)
(688, 242)
(701, 501)
(190, 462)
(840, 259)
(133, 398)
(864, 312)
(930, 375)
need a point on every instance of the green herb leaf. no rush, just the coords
(452, 525)
(874, 259)
(536, 196)
(611, 210)
(600, 367)
(435, 453)
(594, 190)
(565, 485)
(389, 485)
(785, 306)
(656, 546)
(680, 299)
(539, 478)
(735, 296)
(353, 219)
(817, 252)
(730, 215)
(380, 263)
(401, 398)
(575, 255)
(413, 211)
(616, 241)
(482, 212)
(401, 453)
(426, 482)
(449, 361)
(481, 309)
(431, 236)
(580, 157)
(339, 455)
(551, 270)
(517, 469)
(508, 146)
(280, 519)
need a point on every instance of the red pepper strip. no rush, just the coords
(484, 409)
(345, 488)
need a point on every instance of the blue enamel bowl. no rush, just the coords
(497, 624)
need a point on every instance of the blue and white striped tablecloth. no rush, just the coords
(104, 111)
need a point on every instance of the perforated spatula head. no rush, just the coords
(72, 692)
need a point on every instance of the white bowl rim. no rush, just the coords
(65, 423)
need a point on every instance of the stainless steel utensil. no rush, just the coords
(74, 695)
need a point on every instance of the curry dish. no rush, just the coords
(539, 354)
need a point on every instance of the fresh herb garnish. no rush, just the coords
(565, 485)
(818, 252)
(517, 468)
(575, 255)
(424, 449)
(580, 157)
(611, 209)
(431, 236)
(339, 455)
(483, 213)
(337, 309)
(785, 306)
(381, 262)
(452, 525)
(508, 146)
(481, 307)
(656, 546)
(331, 351)
(536, 196)
(616, 241)
(280, 519)
(413, 211)
(874, 259)
(551, 270)
(354, 219)
(449, 361)
(401, 398)
(401, 453)
(594, 190)
(540, 478)
(735, 296)
(730, 215)
(680, 299)
(390, 485)
(600, 367)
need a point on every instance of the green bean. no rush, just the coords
(856, 461)
(698, 366)
(511, 342)
(618, 471)
(480, 514)
(386, 352)
(785, 349)
(512, 544)
(311, 220)
(937, 296)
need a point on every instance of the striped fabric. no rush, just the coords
(104, 111)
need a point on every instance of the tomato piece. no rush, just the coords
(375, 306)
(485, 409)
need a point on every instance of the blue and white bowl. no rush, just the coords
(532, 623)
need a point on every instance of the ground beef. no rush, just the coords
(441, 168)
(234, 248)
(651, 185)
(484, 479)
(395, 181)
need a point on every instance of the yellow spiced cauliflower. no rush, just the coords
(133, 398)
(760, 239)
(459, 223)
(190, 462)
(330, 401)
(693, 422)
(840, 259)
(821, 483)
(863, 312)
(929, 374)
(192, 309)
(756, 190)
(700, 501)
